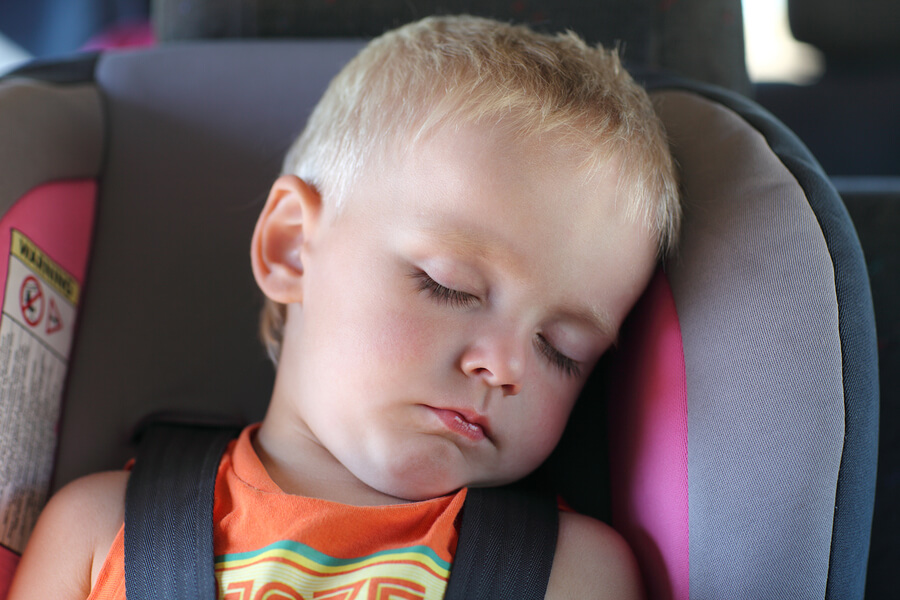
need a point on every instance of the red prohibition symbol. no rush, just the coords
(31, 299)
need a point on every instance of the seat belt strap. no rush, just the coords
(169, 512)
(507, 541)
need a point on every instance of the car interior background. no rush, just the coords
(847, 118)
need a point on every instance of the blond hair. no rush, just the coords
(468, 70)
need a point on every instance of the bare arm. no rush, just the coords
(71, 539)
(592, 562)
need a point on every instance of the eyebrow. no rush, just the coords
(597, 318)
(471, 242)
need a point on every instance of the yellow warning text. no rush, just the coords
(28, 252)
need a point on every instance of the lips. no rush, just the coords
(471, 426)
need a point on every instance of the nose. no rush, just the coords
(497, 359)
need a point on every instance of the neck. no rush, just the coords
(299, 464)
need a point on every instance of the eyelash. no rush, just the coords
(457, 299)
(569, 367)
(454, 298)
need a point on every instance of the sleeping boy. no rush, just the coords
(460, 231)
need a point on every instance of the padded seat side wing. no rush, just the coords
(52, 151)
(778, 396)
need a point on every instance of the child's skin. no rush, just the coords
(439, 330)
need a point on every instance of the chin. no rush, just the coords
(417, 494)
(422, 478)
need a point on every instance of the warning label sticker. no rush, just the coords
(39, 307)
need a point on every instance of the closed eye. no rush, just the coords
(454, 298)
(568, 366)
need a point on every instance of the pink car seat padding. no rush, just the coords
(58, 218)
(9, 560)
(648, 438)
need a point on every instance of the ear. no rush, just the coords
(291, 213)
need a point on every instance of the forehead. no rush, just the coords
(526, 208)
(486, 184)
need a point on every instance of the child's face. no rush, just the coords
(453, 311)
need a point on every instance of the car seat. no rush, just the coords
(737, 421)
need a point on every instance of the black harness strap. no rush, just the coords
(506, 543)
(169, 513)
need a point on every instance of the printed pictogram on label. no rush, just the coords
(31, 301)
(54, 318)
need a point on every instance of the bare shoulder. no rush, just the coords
(592, 561)
(72, 538)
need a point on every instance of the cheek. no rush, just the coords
(541, 432)
(384, 338)
(398, 333)
(557, 400)
(553, 421)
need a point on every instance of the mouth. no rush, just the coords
(471, 426)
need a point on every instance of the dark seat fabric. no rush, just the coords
(875, 209)
(848, 118)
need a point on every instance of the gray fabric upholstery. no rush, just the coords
(196, 136)
(47, 132)
(765, 394)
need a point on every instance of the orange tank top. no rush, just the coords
(269, 544)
